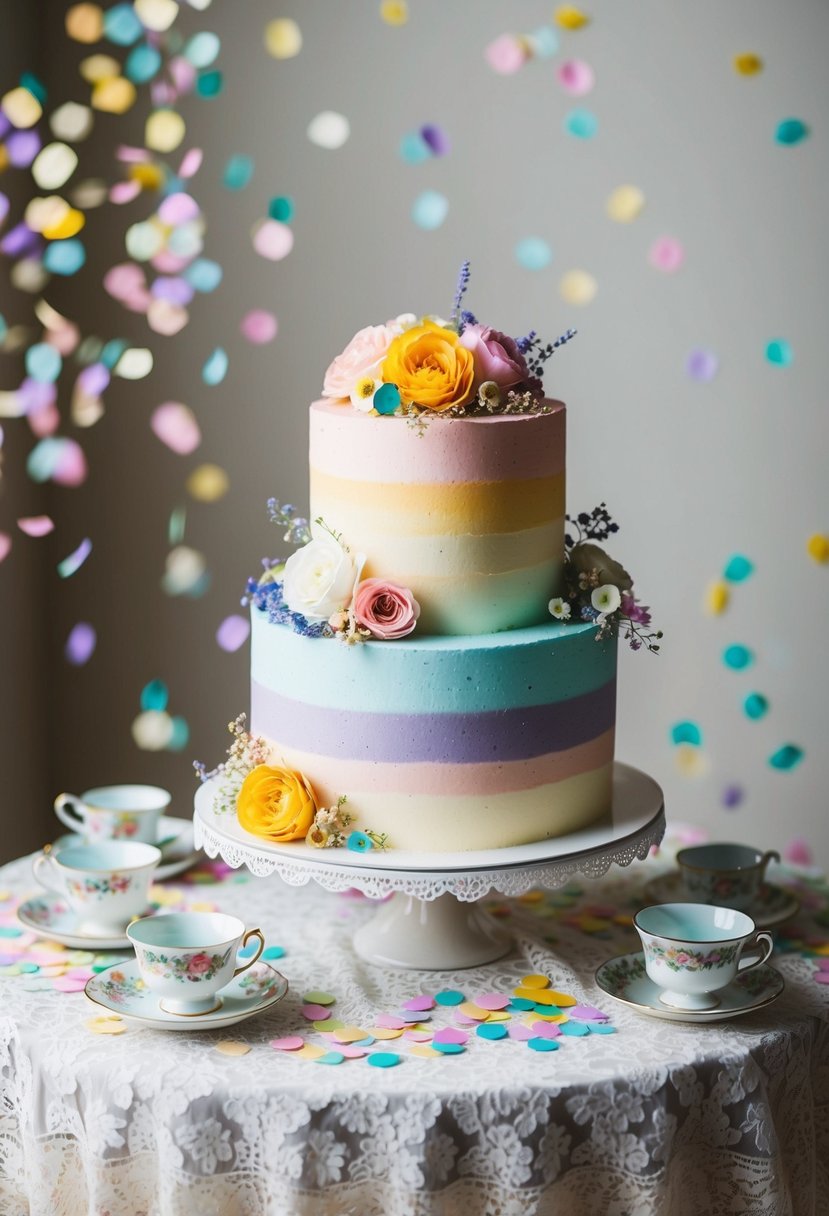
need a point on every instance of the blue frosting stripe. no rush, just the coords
(519, 668)
(438, 738)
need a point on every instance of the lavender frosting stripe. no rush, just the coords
(452, 738)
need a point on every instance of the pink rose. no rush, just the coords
(683, 958)
(496, 356)
(386, 610)
(362, 357)
(198, 964)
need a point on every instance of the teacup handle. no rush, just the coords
(73, 818)
(760, 949)
(251, 933)
(771, 855)
(38, 866)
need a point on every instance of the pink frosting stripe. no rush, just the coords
(360, 776)
(499, 448)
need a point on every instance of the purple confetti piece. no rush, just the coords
(702, 365)
(388, 1021)
(176, 290)
(22, 147)
(316, 1013)
(36, 395)
(732, 796)
(80, 645)
(448, 1034)
(821, 977)
(544, 1030)
(233, 632)
(587, 1013)
(17, 240)
(822, 964)
(461, 1019)
(420, 1003)
(436, 139)
(521, 1033)
(94, 379)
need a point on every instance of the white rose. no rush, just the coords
(606, 599)
(319, 577)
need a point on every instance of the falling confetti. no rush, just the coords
(283, 38)
(85, 22)
(747, 63)
(779, 353)
(208, 483)
(281, 208)
(329, 130)
(430, 209)
(755, 705)
(152, 730)
(36, 525)
(259, 326)
(581, 124)
(717, 598)
(798, 852)
(506, 54)
(576, 77)
(577, 287)
(233, 633)
(738, 568)
(789, 132)
(394, 12)
(732, 796)
(215, 368)
(185, 572)
(817, 546)
(72, 564)
(5, 545)
(570, 18)
(154, 695)
(667, 254)
(737, 657)
(533, 253)
(686, 732)
(273, 240)
(80, 645)
(238, 172)
(164, 131)
(176, 426)
(625, 204)
(786, 757)
(702, 365)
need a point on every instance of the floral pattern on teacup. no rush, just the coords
(723, 888)
(185, 967)
(121, 988)
(108, 827)
(623, 971)
(46, 911)
(259, 982)
(97, 888)
(678, 958)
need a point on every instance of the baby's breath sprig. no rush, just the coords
(337, 536)
(245, 753)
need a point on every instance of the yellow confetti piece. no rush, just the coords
(540, 995)
(531, 897)
(4, 895)
(208, 483)
(535, 1016)
(106, 1024)
(625, 204)
(690, 760)
(52, 947)
(70, 225)
(562, 999)
(283, 38)
(309, 1052)
(114, 95)
(568, 17)
(351, 1034)
(822, 950)
(382, 1032)
(149, 177)
(717, 598)
(164, 896)
(85, 22)
(623, 918)
(21, 107)
(394, 12)
(593, 924)
(534, 981)
(499, 1015)
(164, 131)
(472, 1010)
(817, 547)
(747, 64)
(232, 1047)
(99, 67)
(577, 287)
(424, 1052)
(43, 213)
(4, 157)
(202, 905)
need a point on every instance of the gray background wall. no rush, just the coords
(694, 472)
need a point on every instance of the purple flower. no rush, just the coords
(634, 611)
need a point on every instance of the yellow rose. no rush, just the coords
(277, 803)
(430, 367)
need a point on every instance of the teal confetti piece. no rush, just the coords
(113, 351)
(581, 124)
(786, 757)
(367, 1042)
(203, 275)
(238, 172)
(382, 1059)
(430, 209)
(64, 257)
(738, 568)
(542, 1044)
(215, 368)
(686, 732)
(155, 695)
(737, 657)
(533, 253)
(28, 968)
(142, 64)
(547, 1011)
(249, 950)
(330, 1057)
(576, 1030)
(179, 736)
(449, 1049)
(494, 1030)
(449, 996)
(34, 85)
(544, 42)
(601, 1028)
(387, 399)
(521, 1003)
(414, 149)
(273, 952)
(281, 208)
(175, 528)
(10, 931)
(121, 25)
(755, 705)
(779, 352)
(210, 84)
(202, 49)
(791, 131)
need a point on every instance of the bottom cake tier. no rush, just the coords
(444, 743)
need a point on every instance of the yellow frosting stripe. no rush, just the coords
(475, 507)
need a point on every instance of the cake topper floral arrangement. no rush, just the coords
(426, 366)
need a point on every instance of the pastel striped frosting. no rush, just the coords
(468, 512)
(445, 743)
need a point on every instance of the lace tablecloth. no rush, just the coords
(660, 1117)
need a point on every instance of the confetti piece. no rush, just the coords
(533, 253)
(84, 22)
(176, 426)
(588, 1013)
(105, 1024)
(329, 130)
(702, 365)
(164, 131)
(309, 1051)
(521, 1003)
(732, 796)
(414, 149)
(210, 84)
(202, 49)
(520, 1033)
(534, 981)
(5, 545)
(690, 761)
(273, 240)
(327, 1023)
(72, 122)
(449, 1034)
(283, 38)
(113, 95)
(53, 166)
(142, 64)
(570, 18)
(545, 1030)
(755, 705)
(231, 634)
(383, 1059)
(666, 254)
(789, 132)
(386, 1033)
(424, 1002)
(574, 1029)
(492, 1001)
(786, 757)
(317, 997)
(493, 1033)
(601, 1028)
(506, 54)
(154, 695)
(179, 735)
(424, 1052)
(36, 525)
(417, 1036)
(122, 25)
(259, 326)
(330, 1057)
(539, 1044)
(576, 77)
(747, 64)
(779, 353)
(64, 257)
(315, 1013)
(577, 287)
(350, 1034)
(435, 139)
(152, 730)
(72, 564)
(352, 1051)
(135, 363)
(449, 996)
(232, 1047)
(817, 546)
(394, 12)
(237, 172)
(389, 1021)
(80, 645)
(448, 1049)
(717, 598)
(430, 209)
(737, 657)
(215, 367)
(581, 124)
(625, 204)
(21, 107)
(686, 732)
(70, 983)
(470, 1010)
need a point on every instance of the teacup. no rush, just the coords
(694, 950)
(114, 812)
(188, 957)
(106, 885)
(728, 874)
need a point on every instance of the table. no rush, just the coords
(659, 1118)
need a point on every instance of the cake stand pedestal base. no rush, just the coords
(440, 934)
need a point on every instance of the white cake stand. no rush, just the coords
(429, 918)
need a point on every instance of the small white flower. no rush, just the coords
(559, 608)
(606, 599)
(362, 395)
(406, 320)
(319, 577)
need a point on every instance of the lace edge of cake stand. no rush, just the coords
(342, 876)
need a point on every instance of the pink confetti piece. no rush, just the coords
(178, 208)
(259, 326)
(821, 977)
(233, 633)
(418, 1036)
(822, 964)
(389, 1021)
(576, 77)
(273, 240)
(176, 426)
(291, 1042)
(506, 55)
(191, 163)
(449, 1034)
(36, 525)
(521, 1033)
(124, 192)
(315, 1013)
(419, 1004)
(587, 1013)
(544, 1030)
(798, 852)
(351, 1052)
(69, 983)
(45, 422)
(666, 253)
(5, 545)
(462, 1020)
(492, 1000)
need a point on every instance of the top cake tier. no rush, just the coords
(466, 512)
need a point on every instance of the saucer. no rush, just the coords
(626, 981)
(120, 989)
(774, 905)
(178, 853)
(51, 917)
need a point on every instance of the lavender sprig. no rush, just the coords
(460, 291)
(537, 354)
(297, 530)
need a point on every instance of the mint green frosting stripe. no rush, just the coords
(541, 665)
